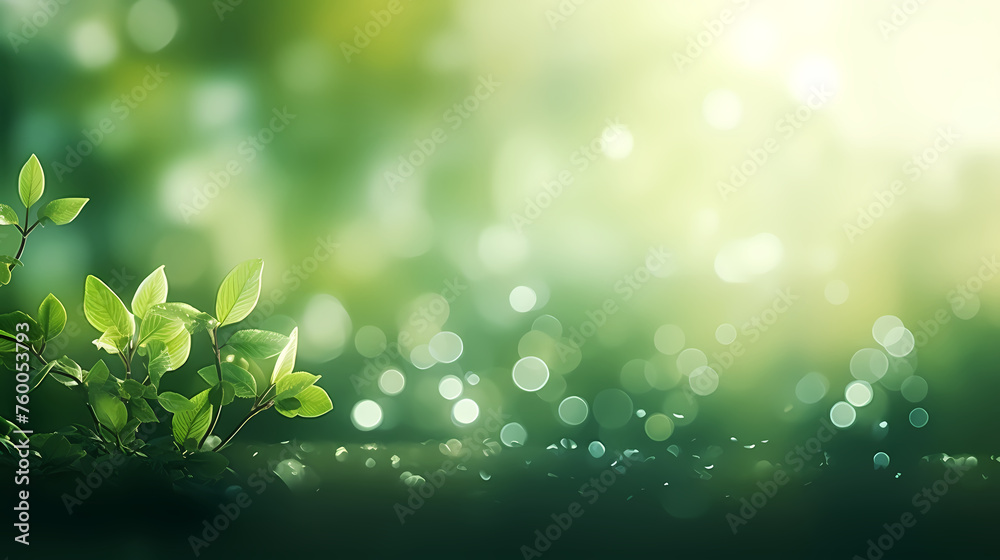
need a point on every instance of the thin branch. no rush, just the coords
(214, 334)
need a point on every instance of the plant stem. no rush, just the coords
(214, 334)
(253, 412)
(128, 366)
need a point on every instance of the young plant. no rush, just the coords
(158, 334)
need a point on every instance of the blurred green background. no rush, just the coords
(502, 170)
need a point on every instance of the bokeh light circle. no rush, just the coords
(530, 374)
(391, 382)
(659, 426)
(842, 415)
(573, 410)
(366, 415)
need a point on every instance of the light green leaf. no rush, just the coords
(4, 275)
(104, 311)
(9, 260)
(110, 411)
(239, 292)
(152, 290)
(51, 317)
(8, 216)
(292, 384)
(174, 402)
(194, 321)
(157, 326)
(241, 379)
(159, 361)
(256, 344)
(62, 211)
(179, 349)
(313, 402)
(286, 359)
(112, 342)
(193, 424)
(31, 182)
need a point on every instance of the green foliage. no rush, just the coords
(31, 182)
(156, 334)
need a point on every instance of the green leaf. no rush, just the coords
(51, 317)
(112, 342)
(152, 290)
(313, 402)
(8, 324)
(7, 259)
(131, 389)
(207, 464)
(175, 403)
(69, 367)
(142, 410)
(62, 211)
(286, 359)
(56, 451)
(110, 411)
(194, 321)
(159, 361)
(36, 376)
(292, 384)
(242, 380)
(288, 407)
(256, 344)
(178, 348)
(97, 375)
(104, 311)
(31, 182)
(8, 216)
(239, 292)
(4, 275)
(193, 424)
(222, 394)
(157, 326)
